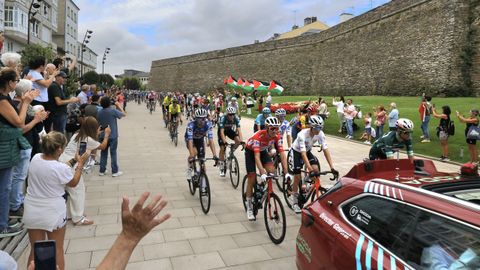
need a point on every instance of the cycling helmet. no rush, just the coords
(315, 121)
(201, 113)
(266, 110)
(272, 121)
(233, 99)
(231, 110)
(280, 112)
(404, 124)
(174, 99)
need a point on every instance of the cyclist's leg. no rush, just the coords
(297, 169)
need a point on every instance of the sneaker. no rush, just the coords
(102, 174)
(297, 209)
(13, 223)
(189, 173)
(339, 131)
(250, 215)
(347, 137)
(10, 231)
(16, 214)
(421, 137)
(445, 159)
(425, 141)
(222, 173)
(367, 142)
(117, 174)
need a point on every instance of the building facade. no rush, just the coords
(66, 35)
(42, 26)
(89, 60)
(143, 77)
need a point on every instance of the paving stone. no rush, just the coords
(90, 244)
(166, 250)
(225, 229)
(78, 261)
(184, 233)
(163, 264)
(199, 262)
(244, 255)
(218, 243)
(97, 256)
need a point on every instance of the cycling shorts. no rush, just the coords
(295, 161)
(228, 133)
(199, 144)
(250, 160)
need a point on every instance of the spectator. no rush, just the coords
(58, 104)
(37, 67)
(349, 113)
(11, 122)
(12, 60)
(269, 100)
(367, 135)
(340, 104)
(33, 125)
(250, 104)
(60, 64)
(425, 110)
(89, 131)
(472, 121)
(442, 130)
(393, 117)
(380, 118)
(83, 95)
(93, 108)
(322, 108)
(260, 103)
(108, 117)
(45, 214)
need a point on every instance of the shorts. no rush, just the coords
(250, 160)
(174, 116)
(48, 214)
(230, 133)
(295, 161)
(199, 144)
(443, 135)
(472, 142)
(368, 131)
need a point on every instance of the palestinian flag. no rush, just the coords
(231, 82)
(275, 88)
(260, 86)
(248, 86)
(240, 83)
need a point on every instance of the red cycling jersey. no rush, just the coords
(261, 142)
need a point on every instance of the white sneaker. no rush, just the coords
(297, 209)
(117, 174)
(222, 173)
(250, 215)
(102, 173)
(189, 173)
(367, 142)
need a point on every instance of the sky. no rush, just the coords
(141, 31)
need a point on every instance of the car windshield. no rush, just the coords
(468, 190)
(466, 195)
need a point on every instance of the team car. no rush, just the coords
(392, 214)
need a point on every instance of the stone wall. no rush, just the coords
(405, 47)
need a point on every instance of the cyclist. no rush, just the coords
(301, 154)
(384, 147)
(228, 126)
(260, 120)
(174, 112)
(151, 99)
(256, 156)
(197, 130)
(233, 103)
(167, 100)
(280, 113)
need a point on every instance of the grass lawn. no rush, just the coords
(408, 108)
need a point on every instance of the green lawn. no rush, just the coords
(408, 108)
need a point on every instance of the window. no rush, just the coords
(8, 16)
(54, 17)
(35, 28)
(68, 12)
(388, 222)
(10, 46)
(440, 241)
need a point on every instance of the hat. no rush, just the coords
(62, 74)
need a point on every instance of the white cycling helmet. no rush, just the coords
(231, 110)
(233, 99)
(404, 124)
(315, 121)
(201, 113)
(266, 110)
(280, 112)
(272, 122)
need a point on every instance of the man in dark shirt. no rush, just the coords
(58, 104)
(93, 108)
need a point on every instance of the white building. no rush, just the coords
(67, 32)
(42, 26)
(143, 77)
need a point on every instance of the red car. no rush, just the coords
(390, 214)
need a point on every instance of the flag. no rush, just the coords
(248, 86)
(231, 82)
(240, 83)
(260, 86)
(275, 87)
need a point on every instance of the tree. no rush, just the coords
(106, 80)
(118, 82)
(91, 77)
(34, 50)
(132, 83)
(71, 85)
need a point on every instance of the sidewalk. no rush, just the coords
(223, 239)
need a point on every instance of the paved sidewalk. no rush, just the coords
(223, 239)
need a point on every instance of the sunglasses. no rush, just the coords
(273, 128)
(231, 114)
(317, 128)
(405, 132)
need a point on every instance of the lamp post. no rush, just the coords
(86, 38)
(107, 51)
(33, 5)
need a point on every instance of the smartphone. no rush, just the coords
(45, 255)
(83, 148)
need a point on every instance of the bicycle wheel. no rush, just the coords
(234, 172)
(191, 185)
(244, 192)
(288, 192)
(280, 179)
(275, 220)
(175, 139)
(204, 193)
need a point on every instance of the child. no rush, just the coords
(367, 135)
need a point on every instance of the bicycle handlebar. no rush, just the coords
(317, 174)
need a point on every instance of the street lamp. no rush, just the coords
(86, 38)
(107, 51)
(31, 16)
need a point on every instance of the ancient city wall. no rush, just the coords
(402, 48)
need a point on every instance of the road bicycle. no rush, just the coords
(231, 163)
(273, 211)
(200, 180)
(309, 188)
(174, 131)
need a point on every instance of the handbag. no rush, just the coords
(473, 133)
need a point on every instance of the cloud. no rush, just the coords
(140, 31)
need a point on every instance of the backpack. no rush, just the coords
(451, 128)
